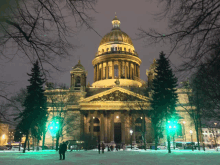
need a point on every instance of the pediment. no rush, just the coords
(116, 94)
(77, 70)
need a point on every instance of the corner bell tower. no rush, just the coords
(78, 77)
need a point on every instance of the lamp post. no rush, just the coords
(191, 139)
(131, 132)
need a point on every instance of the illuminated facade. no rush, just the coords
(111, 107)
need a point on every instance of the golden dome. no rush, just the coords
(116, 35)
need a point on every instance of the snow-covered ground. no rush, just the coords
(149, 157)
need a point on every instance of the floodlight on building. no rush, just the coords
(141, 117)
(3, 136)
(117, 117)
(184, 122)
(93, 117)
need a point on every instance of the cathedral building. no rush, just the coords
(113, 105)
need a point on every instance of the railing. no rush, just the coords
(117, 52)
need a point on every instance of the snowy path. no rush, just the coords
(112, 158)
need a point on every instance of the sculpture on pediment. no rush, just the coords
(117, 96)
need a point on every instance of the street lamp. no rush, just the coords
(131, 132)
(191, 139)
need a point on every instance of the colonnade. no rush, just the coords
(126, 69)
(107, 125)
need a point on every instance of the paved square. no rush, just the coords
(112, 158)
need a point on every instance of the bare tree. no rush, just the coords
(193, 29)
(69, 121)
(39, 30)
(11, 108)
(195, 111)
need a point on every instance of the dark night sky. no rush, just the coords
(132, 14)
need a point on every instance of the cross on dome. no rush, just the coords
(115, 22)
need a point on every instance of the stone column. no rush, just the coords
(107, 70)
(102, 131)
(101, 70)
(72, 80)
(122, 128)
(119, 69)
(130, 70)
(126, 71)
(94, 73)
(113, 71)
(91, 123)
(133, 128)
(139, 71)
(81, 123)
(97, 72)
(106, 128)
(112, 128)
(135, 70)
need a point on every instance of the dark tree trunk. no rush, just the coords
(168, 140)
(25, 143)
(37, 144)
(57, 141)
(43, 143)
(155, 137)
(33, 142)
(144, 131)
(197, 119)
(28, 144)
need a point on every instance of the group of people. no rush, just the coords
(103, 147)
(110, 148)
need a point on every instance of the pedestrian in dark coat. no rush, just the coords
(103, 147)
(111, 148)
(62, 150)
(99, 147)
(108, 148)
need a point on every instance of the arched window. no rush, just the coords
(125, 49)
(107, 49)
(112, 49)
(116, 71)
(77, 82)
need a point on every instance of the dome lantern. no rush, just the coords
(115, 22)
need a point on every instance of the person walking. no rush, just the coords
(103, 147)
(62, 150)
(99, 147)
